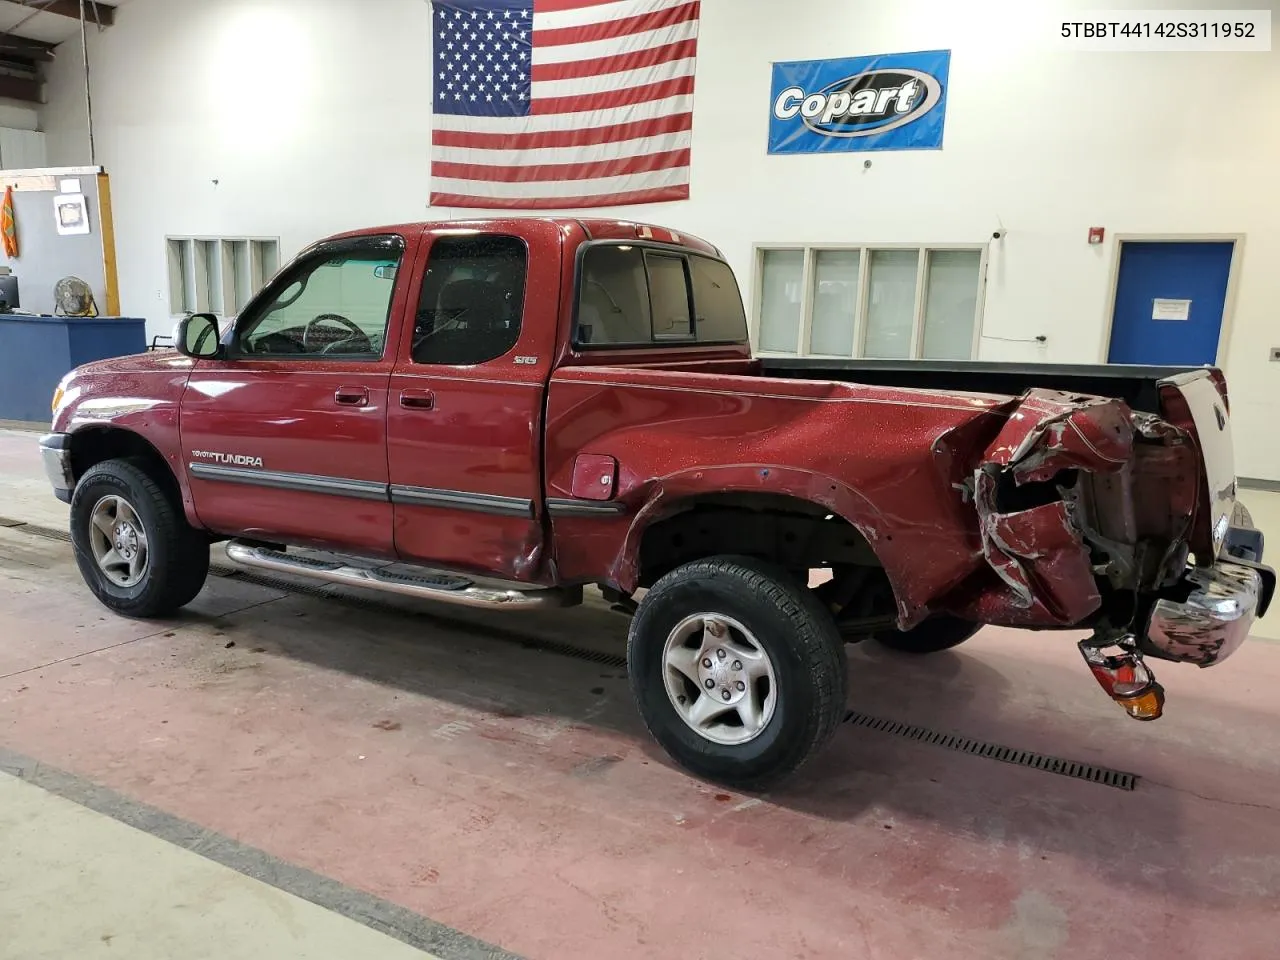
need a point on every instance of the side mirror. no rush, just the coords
(385, 271)
(198, 336)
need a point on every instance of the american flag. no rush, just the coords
(555, 104)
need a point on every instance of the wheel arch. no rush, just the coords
(95, 444)
(677, 502)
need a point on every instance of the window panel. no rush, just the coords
(472, 303)
(632, 295)
(669, 297)
(835, 302)
(891, 304)
(613, 306)
(717, 302)
(336, 305)
(782, 278)
(951, 303)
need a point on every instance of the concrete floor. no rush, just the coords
(395, 762)
(111, 890)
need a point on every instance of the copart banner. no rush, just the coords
(891, 101)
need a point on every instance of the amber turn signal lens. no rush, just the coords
(57, 399)
(1147, 706)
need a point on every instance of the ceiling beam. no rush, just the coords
(95, 11)
(20, 88)
(24, 48)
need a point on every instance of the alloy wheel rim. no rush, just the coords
(119, 541)
(719, 678)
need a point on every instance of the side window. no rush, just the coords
(717, 302)
(614, 304)
(669, 297)
(472, 300)
(635, 296)
(329, 305)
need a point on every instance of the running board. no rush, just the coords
(426, 584)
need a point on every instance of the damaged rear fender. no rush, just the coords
(1031, 531)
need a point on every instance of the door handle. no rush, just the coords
(418, 399)
(352, 396)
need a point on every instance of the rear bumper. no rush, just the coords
(55, 453)
(1221, 605)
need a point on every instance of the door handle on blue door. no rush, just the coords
(352, 396)
(418, 399)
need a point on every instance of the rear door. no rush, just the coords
(285, 437)
(466, 401)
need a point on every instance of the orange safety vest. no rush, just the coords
(9, 226)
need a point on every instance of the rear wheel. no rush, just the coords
(133, 546)
(932, 636)
(738, 670)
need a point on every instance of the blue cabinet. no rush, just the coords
(37, 352)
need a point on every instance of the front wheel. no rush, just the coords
(133, 546)
(738, 670)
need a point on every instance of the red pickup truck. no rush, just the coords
(498, 413)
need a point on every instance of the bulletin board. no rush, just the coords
(46, 254)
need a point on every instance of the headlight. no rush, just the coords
(57, 398)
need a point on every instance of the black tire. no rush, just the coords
(932, 636)
(793, 628)
(178, 561)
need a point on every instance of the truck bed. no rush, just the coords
(1136, 385)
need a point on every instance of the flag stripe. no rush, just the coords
(564, 155)
(611, 47)
(614, 98)
(645, 76)
(622, 199)
(574, 13)
(611, 29)
(653, 110)
(631, 60)
(563, 188)
(577, 137)
(645, 163)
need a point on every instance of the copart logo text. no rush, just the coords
(863, 104)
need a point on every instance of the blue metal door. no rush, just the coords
(1169, 302)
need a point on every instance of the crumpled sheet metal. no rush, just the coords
(1049, 431)
(1040, 553)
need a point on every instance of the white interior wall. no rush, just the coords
(18, 115)
(296, 118)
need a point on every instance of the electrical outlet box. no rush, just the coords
(1275, 353)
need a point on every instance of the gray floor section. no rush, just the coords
(379, 915)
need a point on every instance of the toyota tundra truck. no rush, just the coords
(501, 413)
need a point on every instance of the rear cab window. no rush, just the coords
(639, 296)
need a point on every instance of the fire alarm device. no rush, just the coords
(1096, 234)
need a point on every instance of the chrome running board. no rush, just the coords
(417, 582)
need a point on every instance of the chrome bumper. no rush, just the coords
(1211, 623)
(55, 452)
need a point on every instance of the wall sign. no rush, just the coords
(892, 101)
(1163, 309)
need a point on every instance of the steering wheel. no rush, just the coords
(356, 333)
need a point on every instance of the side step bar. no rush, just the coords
(428, 585)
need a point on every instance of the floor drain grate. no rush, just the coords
(994, 751)
(35, 529)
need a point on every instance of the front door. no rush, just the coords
(285, 437)
(1170, 297)
(465, 415)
